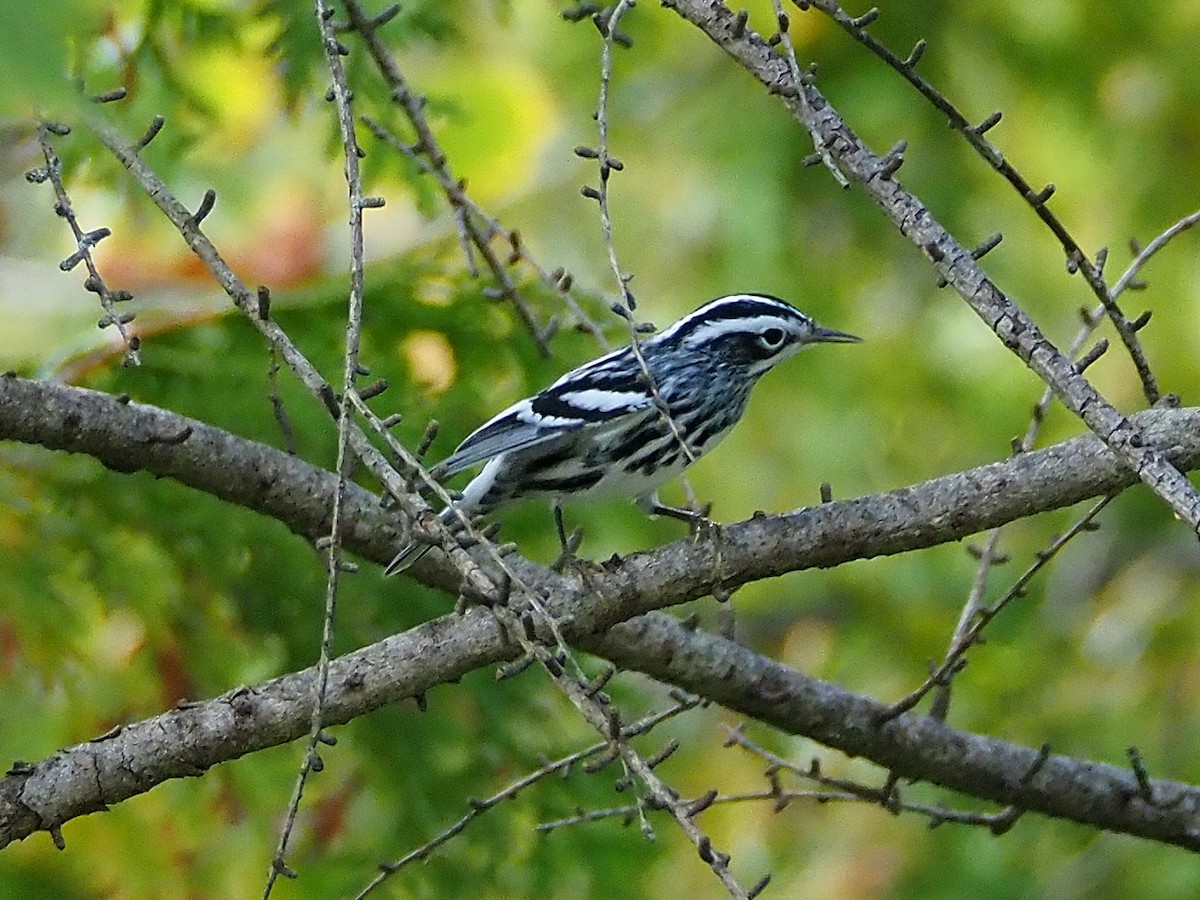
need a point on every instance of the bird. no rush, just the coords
(604, 430)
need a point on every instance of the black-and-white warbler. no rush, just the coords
(599, 432)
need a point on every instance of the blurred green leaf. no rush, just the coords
(125, 593)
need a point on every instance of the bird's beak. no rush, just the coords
(828, 335)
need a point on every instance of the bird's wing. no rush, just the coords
(514, 429)
(596, 393)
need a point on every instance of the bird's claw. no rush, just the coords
(698, 520)
(566, 556)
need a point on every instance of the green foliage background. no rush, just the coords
(123, 594)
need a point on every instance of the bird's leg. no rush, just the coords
(697, 519)
(556, 508)
(569, 543)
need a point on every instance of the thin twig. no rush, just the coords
(987, 555)
(986, 614)
(84, 242)
(849, 790)
(564, 764)
(607, 164)
(823, 152)
(483, 584)
(608, 22)
(1037, 199)
(278, 408)
(584, 817)
(1128, 278)
(476, 228)
(937, 815)
(345, 459)
(479, 229)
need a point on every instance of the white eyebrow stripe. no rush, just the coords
(719, 327)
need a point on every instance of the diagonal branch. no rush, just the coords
(954, 262)
(84, 242)
(1077, 259)
(476, 228)
(919, 747)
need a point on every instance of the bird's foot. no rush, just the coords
(568, 544)
(698, 520)
(566, 555)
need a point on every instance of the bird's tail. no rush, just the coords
(409, 554)
(414, 550)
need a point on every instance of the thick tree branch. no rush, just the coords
(188, 740)
(132, 437)
(129, 437)
(919, 747)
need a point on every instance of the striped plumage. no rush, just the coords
(596, 432)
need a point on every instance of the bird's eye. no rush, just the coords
(772, 338)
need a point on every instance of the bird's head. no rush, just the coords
(753, 331)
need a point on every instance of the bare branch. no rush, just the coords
(845, 789)
(1034, 780)
(821, 151)
(976, 618)
(990, 552)
(1077, 259)
(84, 242)
(131, 436)
(953, 261)
(310, 763)
(188, 740)
(476, 228)
(608, 22)
(1143, 256)
(563, 765)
